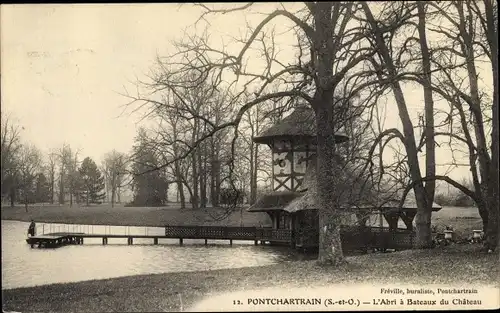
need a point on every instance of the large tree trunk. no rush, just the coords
(330, 246)
(485, 162)
(482, 207)
(491, 231)
(424, 215)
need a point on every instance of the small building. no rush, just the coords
(369, 219)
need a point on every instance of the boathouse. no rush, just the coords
(369, 220)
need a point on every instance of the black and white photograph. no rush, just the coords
(261, 156)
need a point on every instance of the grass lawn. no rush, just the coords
(463, 220)
(131, 216)
(455, 265)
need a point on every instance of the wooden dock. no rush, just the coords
(352, 239)
(55, 240)
(255, 234)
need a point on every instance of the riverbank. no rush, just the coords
(455, 265)
(463, 219)
(133, 216)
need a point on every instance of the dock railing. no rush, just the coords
(182, 232)
(55, 228)
(229, 232)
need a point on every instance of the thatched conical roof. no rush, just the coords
(273, 201)
(353, 193)
(299, 125)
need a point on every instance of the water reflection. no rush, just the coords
(23, 266)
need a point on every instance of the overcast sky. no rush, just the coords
(63, 65)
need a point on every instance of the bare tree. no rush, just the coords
(51, 169)
(68, 173)
(114, 169)
(395, 61)
(10, 146)
(254, 121)
(30, 164)
(185, 115)
(178, 172)
(466, 30)
(469, 35)
(466, 37)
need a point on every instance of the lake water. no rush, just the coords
(23, 266)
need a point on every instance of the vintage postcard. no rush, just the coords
(268, 156)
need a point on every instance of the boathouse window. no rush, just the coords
(282, 224)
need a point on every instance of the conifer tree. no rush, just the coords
(92, 181)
